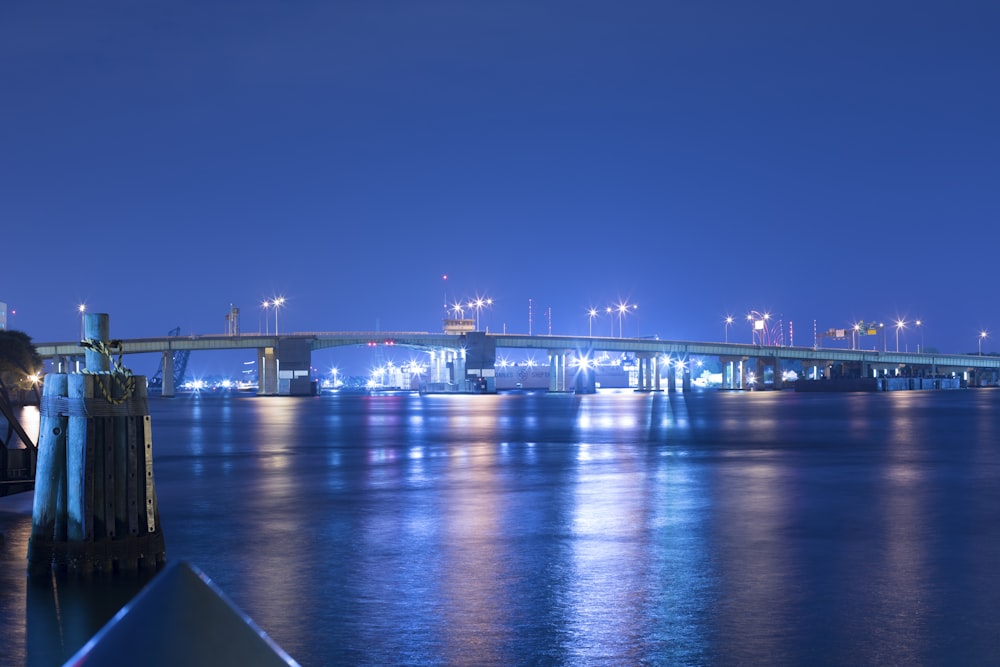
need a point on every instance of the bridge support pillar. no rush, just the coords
(436, 366)
(671, 379)
(648, 374)
(728, 374)
(685, 379)
(778, 382)
(557, 370)
(458, 368)
(168, 375)
(267, 372)
(656, 373)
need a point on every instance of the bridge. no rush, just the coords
(466, 361)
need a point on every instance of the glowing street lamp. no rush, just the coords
(267, 326)
(920, 326)
(854, 335)
(728, 323)
(982, 335)
(758, 326)
(608, 310)
(900, 324)
(592, 313)
(622, 308)
(277, 303)
(479, 304)
(82, 308)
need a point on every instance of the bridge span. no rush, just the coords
(466, 362)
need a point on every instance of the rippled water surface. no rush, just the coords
(619, 528)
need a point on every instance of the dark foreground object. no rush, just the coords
(181, 618)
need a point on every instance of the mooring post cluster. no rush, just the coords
(95, 503)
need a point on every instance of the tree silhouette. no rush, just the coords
(19, 361)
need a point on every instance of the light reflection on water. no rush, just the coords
(623, 528)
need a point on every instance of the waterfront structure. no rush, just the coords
(466, 362)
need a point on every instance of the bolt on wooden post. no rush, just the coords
(95, 503)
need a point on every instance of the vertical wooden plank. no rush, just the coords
(90, 476)
(150, 489)
(120, 445)
(49, 471)
(133, 472)
(109, 474)
(77, 438)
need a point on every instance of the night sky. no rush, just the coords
(824, 162)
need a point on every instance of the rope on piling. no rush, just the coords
(121, 375)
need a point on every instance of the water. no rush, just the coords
(712, 528)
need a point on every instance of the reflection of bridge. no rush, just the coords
(465, 362)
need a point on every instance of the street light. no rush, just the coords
(611, 320)
(83, 309)
(592, 313)
(900, 324)
(982, 335)
(622, 308)
(854, 336)
(277, 303)
(267, 326)
(920, 326)
(729, 323)
(758, 322)
(479, 304)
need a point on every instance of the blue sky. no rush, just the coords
(822, 161)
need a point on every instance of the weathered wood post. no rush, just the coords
(95, 500)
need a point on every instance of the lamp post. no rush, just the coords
(758, 323)
(592, 313)
(854, 335)
(729, 323)
(622, 308)
(82, 308)
(900, 324)
(982, 335)
(478, 304)
(277, 303)
(611, 320)
(920, 326)
(267, 325)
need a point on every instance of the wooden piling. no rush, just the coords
(95, 500)
(48, 510)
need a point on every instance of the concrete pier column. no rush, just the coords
(685, 379)
(437, 365)
(656, 373)
(267, 372)
(778, 384)
(168, 375)
(557, 370)
(459, 366)
(672, 379)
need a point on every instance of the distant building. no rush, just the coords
(456, 326)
